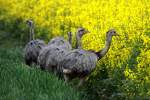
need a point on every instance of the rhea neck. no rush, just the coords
(78, 40)
(103, 51)
(70, 38)
(31, 32)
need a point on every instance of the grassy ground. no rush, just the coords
(20, 82)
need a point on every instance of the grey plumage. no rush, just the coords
(55, 57)
(43, 55)
(50, 56)
(53, 52)
(79, 34)
(80, 63)
(61, 42)
(32, 48)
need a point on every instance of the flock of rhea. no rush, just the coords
(60, 58)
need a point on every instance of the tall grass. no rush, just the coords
(20, 82)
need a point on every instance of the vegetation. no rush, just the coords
(124, 73)
(18, 81)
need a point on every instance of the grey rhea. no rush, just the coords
(33, 47)
(80, 63)
(53, 56)
(79, 34)
(53, 51)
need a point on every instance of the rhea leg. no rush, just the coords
(81, 82)
(67, 78)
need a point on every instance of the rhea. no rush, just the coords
(33, 47)
(51, 51)
(80, 63)
(54, 55)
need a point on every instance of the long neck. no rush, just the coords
(31, 32)
(78, 41)
(103, 51)
(70, 38)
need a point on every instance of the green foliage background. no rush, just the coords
(126, 65)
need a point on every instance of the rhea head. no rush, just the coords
(82, 31)
(112, 32)
(29, 22)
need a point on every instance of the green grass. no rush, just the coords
(21, 82)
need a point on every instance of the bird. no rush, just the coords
(33, 47)
(79, 63)
(54, 55)
(57, 42)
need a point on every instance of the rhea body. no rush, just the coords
(50, 55)
(54, 55)
(61, 42)
(80, 63)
